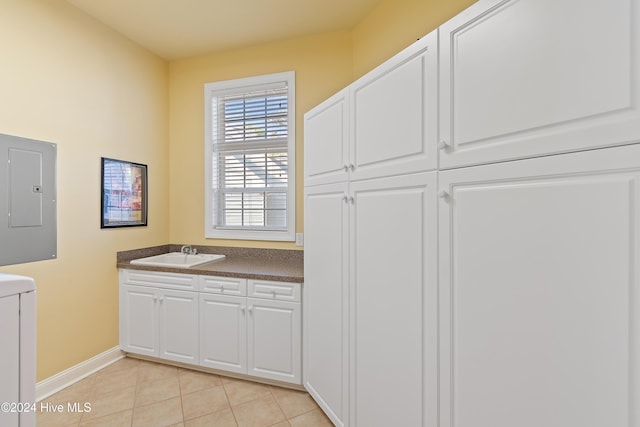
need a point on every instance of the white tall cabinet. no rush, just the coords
(392, 321)
(370, 245)
(509, 296)
(539, 296)
(326, 298)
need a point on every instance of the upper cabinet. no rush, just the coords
(326, 136)
(524, 78)
(393, 114)
(384, 124)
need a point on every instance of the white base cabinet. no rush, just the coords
(249, 327)
(139, 329)
(274, 340)
(223, 339)
(159, 322)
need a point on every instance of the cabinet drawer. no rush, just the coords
(274, 290)
(223, 285)
(159, 279)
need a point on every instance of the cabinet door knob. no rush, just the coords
(250, 310)
(352, 167)
(346, 167)
(242, 309)
(345, 198)
(443, 145)
(443, 194)
(352, 200)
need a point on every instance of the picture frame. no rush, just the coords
(124, 194)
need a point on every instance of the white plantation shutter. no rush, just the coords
(250, 142)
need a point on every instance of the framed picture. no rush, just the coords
(124, 194)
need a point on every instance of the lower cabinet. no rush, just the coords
(159, 322)
(274, 340)
(250, 327)
(259, 336)
(223, 340)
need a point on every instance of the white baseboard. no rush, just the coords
(51, 385)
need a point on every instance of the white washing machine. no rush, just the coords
(17, 350)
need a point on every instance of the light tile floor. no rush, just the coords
(133, 392)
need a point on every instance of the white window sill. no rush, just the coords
(281, 236)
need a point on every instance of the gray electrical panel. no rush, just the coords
(28, 224)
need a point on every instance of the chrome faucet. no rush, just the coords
(188, 250)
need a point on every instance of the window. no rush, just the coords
(250, 158)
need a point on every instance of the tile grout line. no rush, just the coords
(180, 395)
(98, 379)
(275, 399)
(233, 413)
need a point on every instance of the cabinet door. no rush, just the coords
(179, 325)
(394, 301)
(539, 292)
(394, 126)
(9, 356)
(274, 337)
(325, 299)
(139, 320)
(326, 141)
(523, 78)
(223, 332)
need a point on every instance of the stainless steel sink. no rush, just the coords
(177, 259)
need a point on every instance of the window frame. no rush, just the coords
(249, 84)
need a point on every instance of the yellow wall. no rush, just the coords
(67, 79)
(322, 65)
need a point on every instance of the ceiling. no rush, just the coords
(175, 29)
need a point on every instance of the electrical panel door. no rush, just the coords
(27, 200)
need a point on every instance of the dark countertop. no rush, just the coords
(250, 263)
